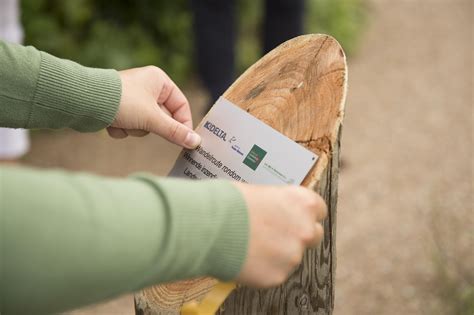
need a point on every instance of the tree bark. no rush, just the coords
(299, 89)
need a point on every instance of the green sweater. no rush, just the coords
(66, 239)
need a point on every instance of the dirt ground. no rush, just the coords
(407, 147)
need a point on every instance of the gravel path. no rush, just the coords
(407, 141)
(407, 147)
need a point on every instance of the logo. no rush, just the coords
(254, 157)
(236, 148)
(215, 130)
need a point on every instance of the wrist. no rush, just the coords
(208, 222)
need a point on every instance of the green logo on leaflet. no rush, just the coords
(254, 157)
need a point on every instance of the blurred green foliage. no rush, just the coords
(113, 34)
(343, 19)
(123, 34)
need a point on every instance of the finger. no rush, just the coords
(137, 132)
(318, 205)
(323, 209)
(295, 258)
(183, 115)
(117, 133)
(318, 235)
(165, 110)
(174, 131)
(173, 99)
(313, 202)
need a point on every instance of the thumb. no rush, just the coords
(175, 131)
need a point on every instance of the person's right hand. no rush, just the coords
(284, 221)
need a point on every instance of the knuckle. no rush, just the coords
(297, 194)
(307, 201)
(154, 72)
(173, 132)
(310, 204)
(302, 192)
(296, 254)
(319, 234)
(324, 209)
(308, 234)
(317, 205)
(295, 260)
(293, 191)
(314, 200)
(280, 278)
(152, 69)
(164, 92)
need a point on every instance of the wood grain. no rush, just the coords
(298, 89)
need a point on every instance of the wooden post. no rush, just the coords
(298, 89)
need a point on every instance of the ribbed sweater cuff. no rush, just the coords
(230, 249)
(69, 95)
(208, 227)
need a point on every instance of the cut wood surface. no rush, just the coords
(298, 89)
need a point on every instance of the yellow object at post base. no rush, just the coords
(211, 302)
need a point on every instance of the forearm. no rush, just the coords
(68, 240)
(38, 90)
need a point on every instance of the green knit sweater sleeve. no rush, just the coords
(67, 240)
(38, 90)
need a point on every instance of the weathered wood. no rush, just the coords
(298, 89)
(310, 289)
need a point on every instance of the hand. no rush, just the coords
(284, 221)
(151, 102)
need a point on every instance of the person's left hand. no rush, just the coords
(151, 102)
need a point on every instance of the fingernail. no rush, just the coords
(192, 140)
